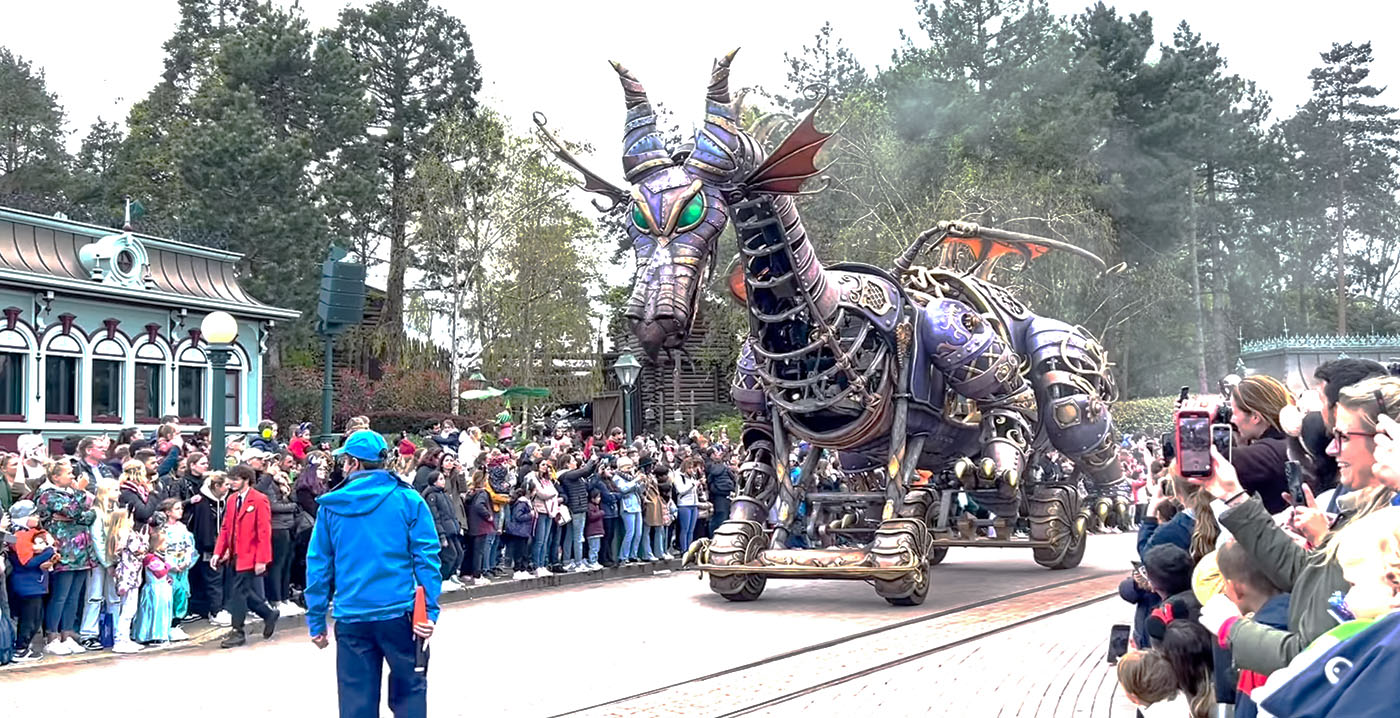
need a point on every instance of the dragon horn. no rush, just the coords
(723, 150)
(643, 150)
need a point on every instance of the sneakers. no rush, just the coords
(91, 643)
(270, 624)
(58, 647)
(27, 654)
(289, 608)
(73, 646)
(127, 647)
(482, 581)
(178, 634)
(234, 639)
(521, 575)
(595, 566)
(222, 619)
(541, 572)
(449, 586)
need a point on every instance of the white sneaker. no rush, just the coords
(222, 619)
(127, 647)
(483, 581)
(449, 587)
(294, 609)
(520, 575)
(541, 572)
(178, 634)
(595, 566)
(57, 648)
(73, 646)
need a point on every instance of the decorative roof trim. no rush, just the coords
(1320, 342)
(94, 230)
(144, 296)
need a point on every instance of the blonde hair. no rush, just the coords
(1263, 395)
(1146, 675)
(1207, 531)
(134, 471)
(119, 523)
(1373, 540)
(105, 501)
(1373, 397)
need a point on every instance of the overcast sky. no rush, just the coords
(100, 56)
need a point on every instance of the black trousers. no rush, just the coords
(278, 578)
(451, 556)
(209, 588)
(30, 610)
(612, 529)
(247, 595)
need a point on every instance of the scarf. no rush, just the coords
(140, 490)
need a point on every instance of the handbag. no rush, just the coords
(302, 521)
(564, 516)
(106, 630)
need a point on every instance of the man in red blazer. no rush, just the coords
(245, 541)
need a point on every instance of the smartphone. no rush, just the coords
(1294, 473)
(1223, 437)
(1193, 439)
(1118, 642)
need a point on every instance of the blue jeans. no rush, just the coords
(573, 543)
(593, 543)
(480, 545)
(539, 550)
(631, 535)
(493, 553)
(687, 523)
(658, 542)
(361, 650)
(65, 600)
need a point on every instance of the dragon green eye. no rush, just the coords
(638, 218)
(693, 212)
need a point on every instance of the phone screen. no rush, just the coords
(1194, 456)
(1222, 435)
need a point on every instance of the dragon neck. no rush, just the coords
(783, 272)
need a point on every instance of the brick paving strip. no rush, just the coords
(759, 687)
(202, 633)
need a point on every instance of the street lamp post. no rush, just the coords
(627, 370)
(219, 329)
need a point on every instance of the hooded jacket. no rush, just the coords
(204, 518)
(440, 506)
(521, 522)
(374, 543)
(33, 547)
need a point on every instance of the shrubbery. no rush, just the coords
(404, 399)
(1151, 416)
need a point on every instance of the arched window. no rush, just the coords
(233, 384)
(149, 382)
(62, 356)
(15, 350)
(192, 366)
(108, 379)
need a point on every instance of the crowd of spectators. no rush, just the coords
(116, 542)
(1252, 599)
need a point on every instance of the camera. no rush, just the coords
(1197, 424)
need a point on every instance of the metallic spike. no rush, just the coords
(989, 468)
(1013, 477)
(961, 467)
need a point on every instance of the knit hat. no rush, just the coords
(21, 510)
(406, 447)
(1168, 567)
(303, 428)
(496, 474)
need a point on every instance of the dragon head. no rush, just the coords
(676, 209)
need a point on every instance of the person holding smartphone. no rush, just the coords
(1261, 446)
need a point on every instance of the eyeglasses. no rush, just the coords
(1342, 437)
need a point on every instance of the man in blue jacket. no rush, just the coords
(373, 544)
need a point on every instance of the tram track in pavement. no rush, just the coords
(1012, 596)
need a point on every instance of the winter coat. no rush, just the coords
(423, 477)
(653, 509)
(573, 489)
(29, 578)
(594, 525)
(1274, 614)
(544, 496)
(204, 518)
(284, 509)
(298, 447)
(630, 489)
(271, 446)
(457, 490)
(521, 521)
(375, 516)
(1177, 531)
(1260, 469)
(440, 506)
(142, 508)
(67, 515)
(1310, 576)
(611, 497)
(719, 479)
(481, 520)
(686, 489)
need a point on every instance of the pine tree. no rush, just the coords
(418, 67)
(32, 159)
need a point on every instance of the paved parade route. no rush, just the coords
(665, 645)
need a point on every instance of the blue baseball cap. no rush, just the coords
(365, 445)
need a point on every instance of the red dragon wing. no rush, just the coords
(794, 162)
(989, 246)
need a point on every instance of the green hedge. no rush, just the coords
(1150, 415)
